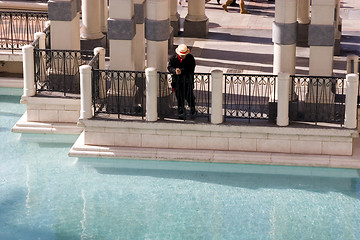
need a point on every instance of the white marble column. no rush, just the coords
(284, 36)
(91, 22)
(196, 22)
(322, 37)
(283, 99)
(217, 97)
(139, 38)
(303, 19)
(65, 28)
(352, 86)
(102, 82)
(121, 32)
(28, 70)
(85, 93)
(157, 33)
(151, 94)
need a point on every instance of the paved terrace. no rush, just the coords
(242, 43)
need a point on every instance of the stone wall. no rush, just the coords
(308, 140)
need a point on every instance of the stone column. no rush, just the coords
(322, 37)
(352, 86)
(283, 99)
(85, 93)
(104, 14)
(102, 82)
(42, 37)
(139, 39)
(91, 22)
(338, 28)
(157, 32)
(121, 32)
(196, 22)
(303, 19)
(284, 36)
(216, 96)
(28, 70)
(152, 80)
(174, 17)
(65, 28)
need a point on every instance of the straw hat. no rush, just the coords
(182, 49)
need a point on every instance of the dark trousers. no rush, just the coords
(184, 91)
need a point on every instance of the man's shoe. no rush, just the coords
(218, 1)
(225, 7)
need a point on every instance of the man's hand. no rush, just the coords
(178, 71)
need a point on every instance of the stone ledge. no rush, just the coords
(213, 156)
(23, 126)
(169, 135)
(204, 127)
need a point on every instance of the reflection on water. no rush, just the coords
(47, 195)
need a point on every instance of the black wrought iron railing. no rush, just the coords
(118, 92)
(58, 70)
(17, 28)
(317, 99)
(168, 102)
(249, 96)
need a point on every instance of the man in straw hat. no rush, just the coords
(182, 66)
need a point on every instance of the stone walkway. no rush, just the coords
(241, 43)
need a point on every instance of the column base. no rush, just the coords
(90, 44)
(302, 35)
(196, 29)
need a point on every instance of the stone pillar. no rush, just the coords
(352, 86)
(139, 39)
(104, 14)
(85, 92)
(65, 24)
(28, 70)
(338, 28)
(216, 97)
(102, 82)
(196, 22)
(283, 99)
(152, 80)
(91, 22)
(42, 37)
(284, 36)
(157, 26)
(322, 37)
(174, 17)
(303, 20)
(352, 64)
(121, 32)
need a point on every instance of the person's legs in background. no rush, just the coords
(242, 7)
(225, 5)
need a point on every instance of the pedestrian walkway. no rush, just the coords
(242, 43)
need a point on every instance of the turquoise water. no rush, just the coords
(46, 195)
